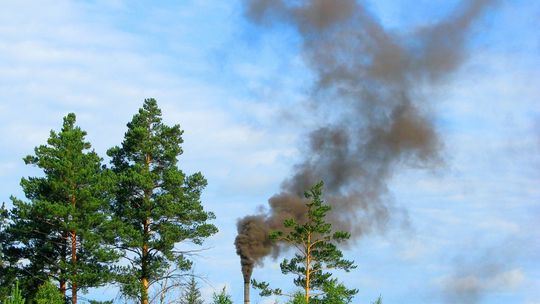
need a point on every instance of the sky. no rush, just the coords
(465, 229)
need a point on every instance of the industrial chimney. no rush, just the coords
(246, 289)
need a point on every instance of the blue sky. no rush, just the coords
(241, 93)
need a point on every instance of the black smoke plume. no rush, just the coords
(372, 80)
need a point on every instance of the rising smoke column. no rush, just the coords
(372, 80)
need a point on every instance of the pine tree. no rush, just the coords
(16, 296)
(157, 206)
(316, 253)
(191, 293)
(222, 297)
(59, 229)
(48, 294)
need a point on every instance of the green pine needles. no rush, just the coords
(316, 253)
(59, 228)
(85, 225)
(48, 294)
(16, 296)
(222, 297)
(156, 205)
(192, 293)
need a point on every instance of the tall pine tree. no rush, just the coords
(157, 206)
(59, 229)
(316, 254)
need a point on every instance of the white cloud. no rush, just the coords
(414, 249)
(59, 57)
(7, 167)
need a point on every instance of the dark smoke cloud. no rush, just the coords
(371, 80)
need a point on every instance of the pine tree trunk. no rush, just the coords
(63, 288)
(144, 264)
(74, 267)
(62, 280)
(73, 235)
(146, 237)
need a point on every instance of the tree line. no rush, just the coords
(85, 224)
(82, 216)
